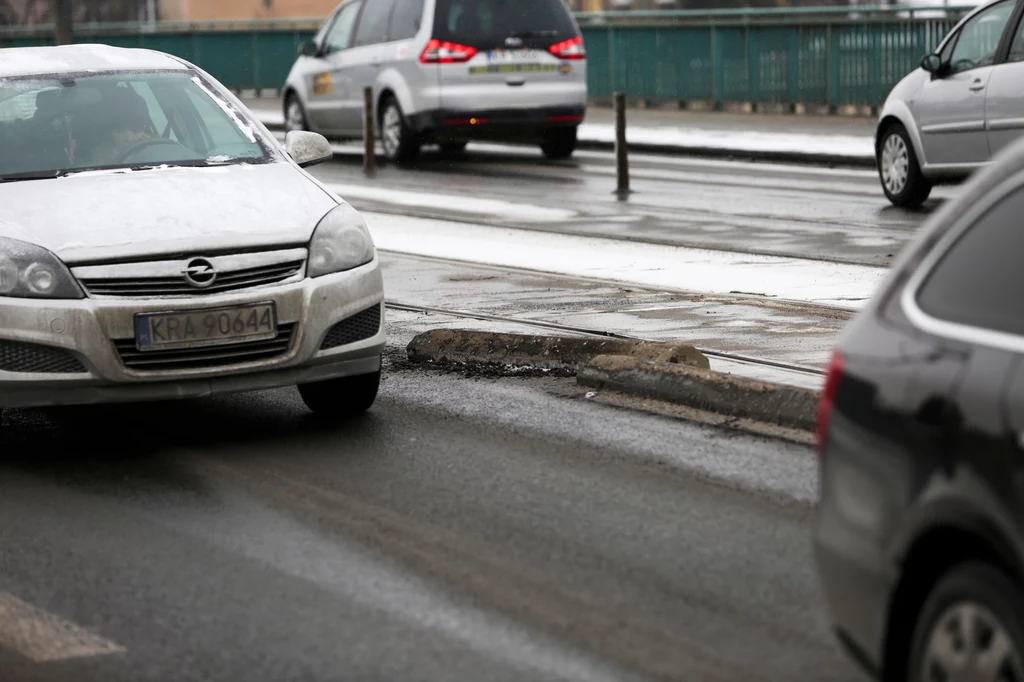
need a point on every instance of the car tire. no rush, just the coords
(899, 170)
(559, 144)
(453, 147)
(972, 595)
(342, 397)
(397, 139)
(294, 114)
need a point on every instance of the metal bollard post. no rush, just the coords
(369, 134)
(621, 152)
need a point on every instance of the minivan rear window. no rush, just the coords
(485, 24)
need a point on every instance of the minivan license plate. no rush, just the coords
(211, 327)
(513, 56)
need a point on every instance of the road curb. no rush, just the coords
(454, 346)
(703, 389)
(812, 158)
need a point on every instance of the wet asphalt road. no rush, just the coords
(805, 211)
(465, 529)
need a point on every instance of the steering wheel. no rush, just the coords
(963, 64)
(145, 143)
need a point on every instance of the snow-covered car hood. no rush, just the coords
(109, 215)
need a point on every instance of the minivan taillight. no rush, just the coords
(443, 52)
(569, 49)
(833, 378)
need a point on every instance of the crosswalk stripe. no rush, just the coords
(42, 637)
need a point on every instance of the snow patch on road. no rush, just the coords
(668, 268)
(849, 146)
(505, 210)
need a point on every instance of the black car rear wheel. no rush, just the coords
(559, 144)
(343, 397)
(398, 140)
(970, 628)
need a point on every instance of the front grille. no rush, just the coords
(359, 327)
(232, 280)
(200, 358)
(35, 359)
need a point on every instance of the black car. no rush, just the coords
(918, 536)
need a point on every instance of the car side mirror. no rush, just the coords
(932, 63)
(307, 149)
(309, 49)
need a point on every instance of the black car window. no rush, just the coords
(485, 24)
(373, 24)
(406, 19)
(978, 282)
(979, 38)
(340, 36)
(1017, 46)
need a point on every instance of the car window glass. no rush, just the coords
(340, 36)
(373, 24)
(486, 24)
(322, 33)
(117, 120)
(1017, 46)
(979, 38)
(979, 280)
(406, 19)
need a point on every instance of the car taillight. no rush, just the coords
(569, 49)
(443, 52)
(836, 368)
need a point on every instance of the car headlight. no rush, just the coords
(30, 271)
(341, 242)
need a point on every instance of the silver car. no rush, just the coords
(957, 111)
(444, 72)
(157, 242)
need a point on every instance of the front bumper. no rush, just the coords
(86, 331)
(494, 124)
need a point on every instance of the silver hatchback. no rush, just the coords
(963, 106)
(444, 72)
(156, 242)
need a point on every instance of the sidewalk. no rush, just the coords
(808, 139)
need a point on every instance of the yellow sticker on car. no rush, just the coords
(322, 84)
(512, 68)
(565, 68)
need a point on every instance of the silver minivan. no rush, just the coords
(444, 72)
(961, 108)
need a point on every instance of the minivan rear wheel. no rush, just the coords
(970, 628)
(899, 170)
(399, 142)
(559, 144)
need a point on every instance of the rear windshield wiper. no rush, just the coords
(533, 34)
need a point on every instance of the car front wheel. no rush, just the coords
(899, 170)
(970, 628)
(342, 397)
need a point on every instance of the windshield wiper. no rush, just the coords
(36, 175)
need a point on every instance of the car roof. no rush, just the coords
(32, 61)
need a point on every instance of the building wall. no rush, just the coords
(210, 10)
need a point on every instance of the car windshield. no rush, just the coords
(52, 126)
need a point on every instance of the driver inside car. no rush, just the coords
(126, 122)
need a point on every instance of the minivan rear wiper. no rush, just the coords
(532, 34)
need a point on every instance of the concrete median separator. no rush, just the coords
(567, 354)
(703, 389)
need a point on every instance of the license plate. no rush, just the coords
(513, 56)
(211, 327)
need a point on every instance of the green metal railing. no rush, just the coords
(831, 56)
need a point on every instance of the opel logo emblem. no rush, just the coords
(200, 273)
